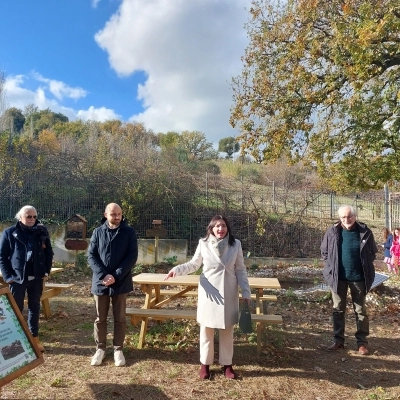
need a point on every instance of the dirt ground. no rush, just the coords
(294, 363)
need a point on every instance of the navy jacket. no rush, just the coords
(13, 249)
(115, 256)
(330, 255)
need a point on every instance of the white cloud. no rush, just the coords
(189, 50)
(60, 89)
(95, 3)
(97, 114)
(19, 96)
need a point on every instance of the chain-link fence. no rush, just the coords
(269, 220)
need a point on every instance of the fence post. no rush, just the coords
(207, 188)
(273, 196)
(332, 205)
(388, 221)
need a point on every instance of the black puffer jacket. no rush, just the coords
(330, 255)
(13, 249)
(114, 256)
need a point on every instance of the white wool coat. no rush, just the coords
(218, 292)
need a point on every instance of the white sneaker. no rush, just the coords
(98, 357)
(119, 358)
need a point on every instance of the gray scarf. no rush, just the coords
(219, 245)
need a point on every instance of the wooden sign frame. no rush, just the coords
(18, 352)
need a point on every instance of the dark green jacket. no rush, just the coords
(330, 255)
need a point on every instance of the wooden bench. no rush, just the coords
(193, 293)
(52, 290)
(137, 314)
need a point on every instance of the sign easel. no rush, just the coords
(18, 352)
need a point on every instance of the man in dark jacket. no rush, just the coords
(113, 252)
(26, 257)
(348, 250)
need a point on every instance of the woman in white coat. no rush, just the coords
(218, 294)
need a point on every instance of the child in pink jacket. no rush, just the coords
(395, 250)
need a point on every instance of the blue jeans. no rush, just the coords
(34, 289)
(358, 293)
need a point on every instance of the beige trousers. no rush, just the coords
(207, 345)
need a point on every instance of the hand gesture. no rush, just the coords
(108, 280)
(171, 274)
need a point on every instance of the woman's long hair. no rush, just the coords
(212, 224)
(386, 233)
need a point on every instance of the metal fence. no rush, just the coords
(271, 221)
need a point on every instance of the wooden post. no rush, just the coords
(156, 250)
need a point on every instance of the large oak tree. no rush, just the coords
(321, 83)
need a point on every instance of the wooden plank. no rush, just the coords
(61, 286)
(173, 292)
(76, 244)
(191, 314)
(193, 280)
(161, 313)
(267, 318)
(194, 293)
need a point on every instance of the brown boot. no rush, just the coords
(229, 372)
(38, 344)
(204, 371)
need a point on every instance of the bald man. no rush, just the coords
(113, 252)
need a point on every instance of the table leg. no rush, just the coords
(148, 289)
(45, 303)
(259, 293)
(46, 308)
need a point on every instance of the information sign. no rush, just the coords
(18, 353)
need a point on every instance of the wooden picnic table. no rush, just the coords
(49, 290)
(156, 298)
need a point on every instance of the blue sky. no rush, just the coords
(166, 63)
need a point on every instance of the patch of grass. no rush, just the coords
(379, 393)
(87, 326)
(58, 382)
(174, 372)
(24, 381)
(289, 294)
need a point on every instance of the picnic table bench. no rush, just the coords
(138, 314)
(49, 290)
(193, 293)
(157, 297)
(52, 290)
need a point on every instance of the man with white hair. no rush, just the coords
(348, 250)
(26, 257)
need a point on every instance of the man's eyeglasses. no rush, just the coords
(31, 216)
